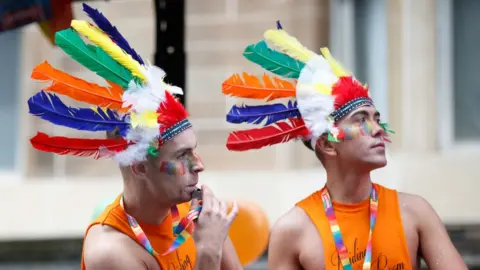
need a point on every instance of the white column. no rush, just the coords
(412, 74)
(342, 31)
(376, 62)
(9, 100)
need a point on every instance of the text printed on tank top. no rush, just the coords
(337, 236)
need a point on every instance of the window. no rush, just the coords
(458, 79)
(9, 94)
(359, 40)
(371, 64)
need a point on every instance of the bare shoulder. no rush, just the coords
(414, 204)
(107, 248)
(289, 240)
(291, 225)
(435, 244)
(417, 208)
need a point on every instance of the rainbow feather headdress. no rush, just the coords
(137, 104)
(319, 89)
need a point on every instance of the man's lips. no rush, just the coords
(379, 145)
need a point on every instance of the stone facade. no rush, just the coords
(276, 177)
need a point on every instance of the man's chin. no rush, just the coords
(376, 163)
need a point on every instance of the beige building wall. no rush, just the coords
(55, 196)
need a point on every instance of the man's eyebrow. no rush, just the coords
(365, 113)
(360, 112)
(186, 148)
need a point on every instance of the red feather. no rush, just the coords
(76, 147)
(347, 89)
(171, 111)
(270, 135)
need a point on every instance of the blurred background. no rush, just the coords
(420, 58)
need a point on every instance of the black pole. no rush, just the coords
(170, 45)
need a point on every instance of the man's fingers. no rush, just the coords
(216, 205)
(233, 213)
(207, 197)
(223, 207)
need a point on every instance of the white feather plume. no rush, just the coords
(314, 106)
(137, 152)
(144, 98)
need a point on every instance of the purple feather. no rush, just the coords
(257, 114)
(103, 23)
(49, 107)
(279, 26)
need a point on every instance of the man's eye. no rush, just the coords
(361, 119)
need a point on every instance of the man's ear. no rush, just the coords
(325, 147)
(139, 169)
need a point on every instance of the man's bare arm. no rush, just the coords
(283, 248)
(207, 259)
(111, 256)
(436, 247)
(230, 259)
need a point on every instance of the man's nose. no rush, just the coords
(197, 164)
(377, 129)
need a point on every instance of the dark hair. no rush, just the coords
(308, 144)
(113, 134)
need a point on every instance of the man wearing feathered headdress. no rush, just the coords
(148, 226)
(351, 223)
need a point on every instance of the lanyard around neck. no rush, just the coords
(182, 228)
(337, 236)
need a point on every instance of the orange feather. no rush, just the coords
(252, 87)
(78, 89)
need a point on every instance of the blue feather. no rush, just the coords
(103, 23)
(256, 114)
(49, 107)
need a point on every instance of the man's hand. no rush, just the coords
(211, 229)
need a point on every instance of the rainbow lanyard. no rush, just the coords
(337, 236)
(182, 228)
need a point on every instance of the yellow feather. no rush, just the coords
(288, 45)
(99, 38)
(322, 88)
(144, 119)
(337, 69)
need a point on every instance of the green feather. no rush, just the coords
(273, 61)
(93, 58)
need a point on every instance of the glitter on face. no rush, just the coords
(178, 168)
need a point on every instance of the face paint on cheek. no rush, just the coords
(173, 168)
(350, 132)
(367, 128)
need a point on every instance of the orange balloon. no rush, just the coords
(249, 232)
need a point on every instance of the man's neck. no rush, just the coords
(144, 209)
(348, 187)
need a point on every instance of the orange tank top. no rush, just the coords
(389, 246)
(160, 236)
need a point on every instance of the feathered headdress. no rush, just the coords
(320, 90)
(137, 103)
